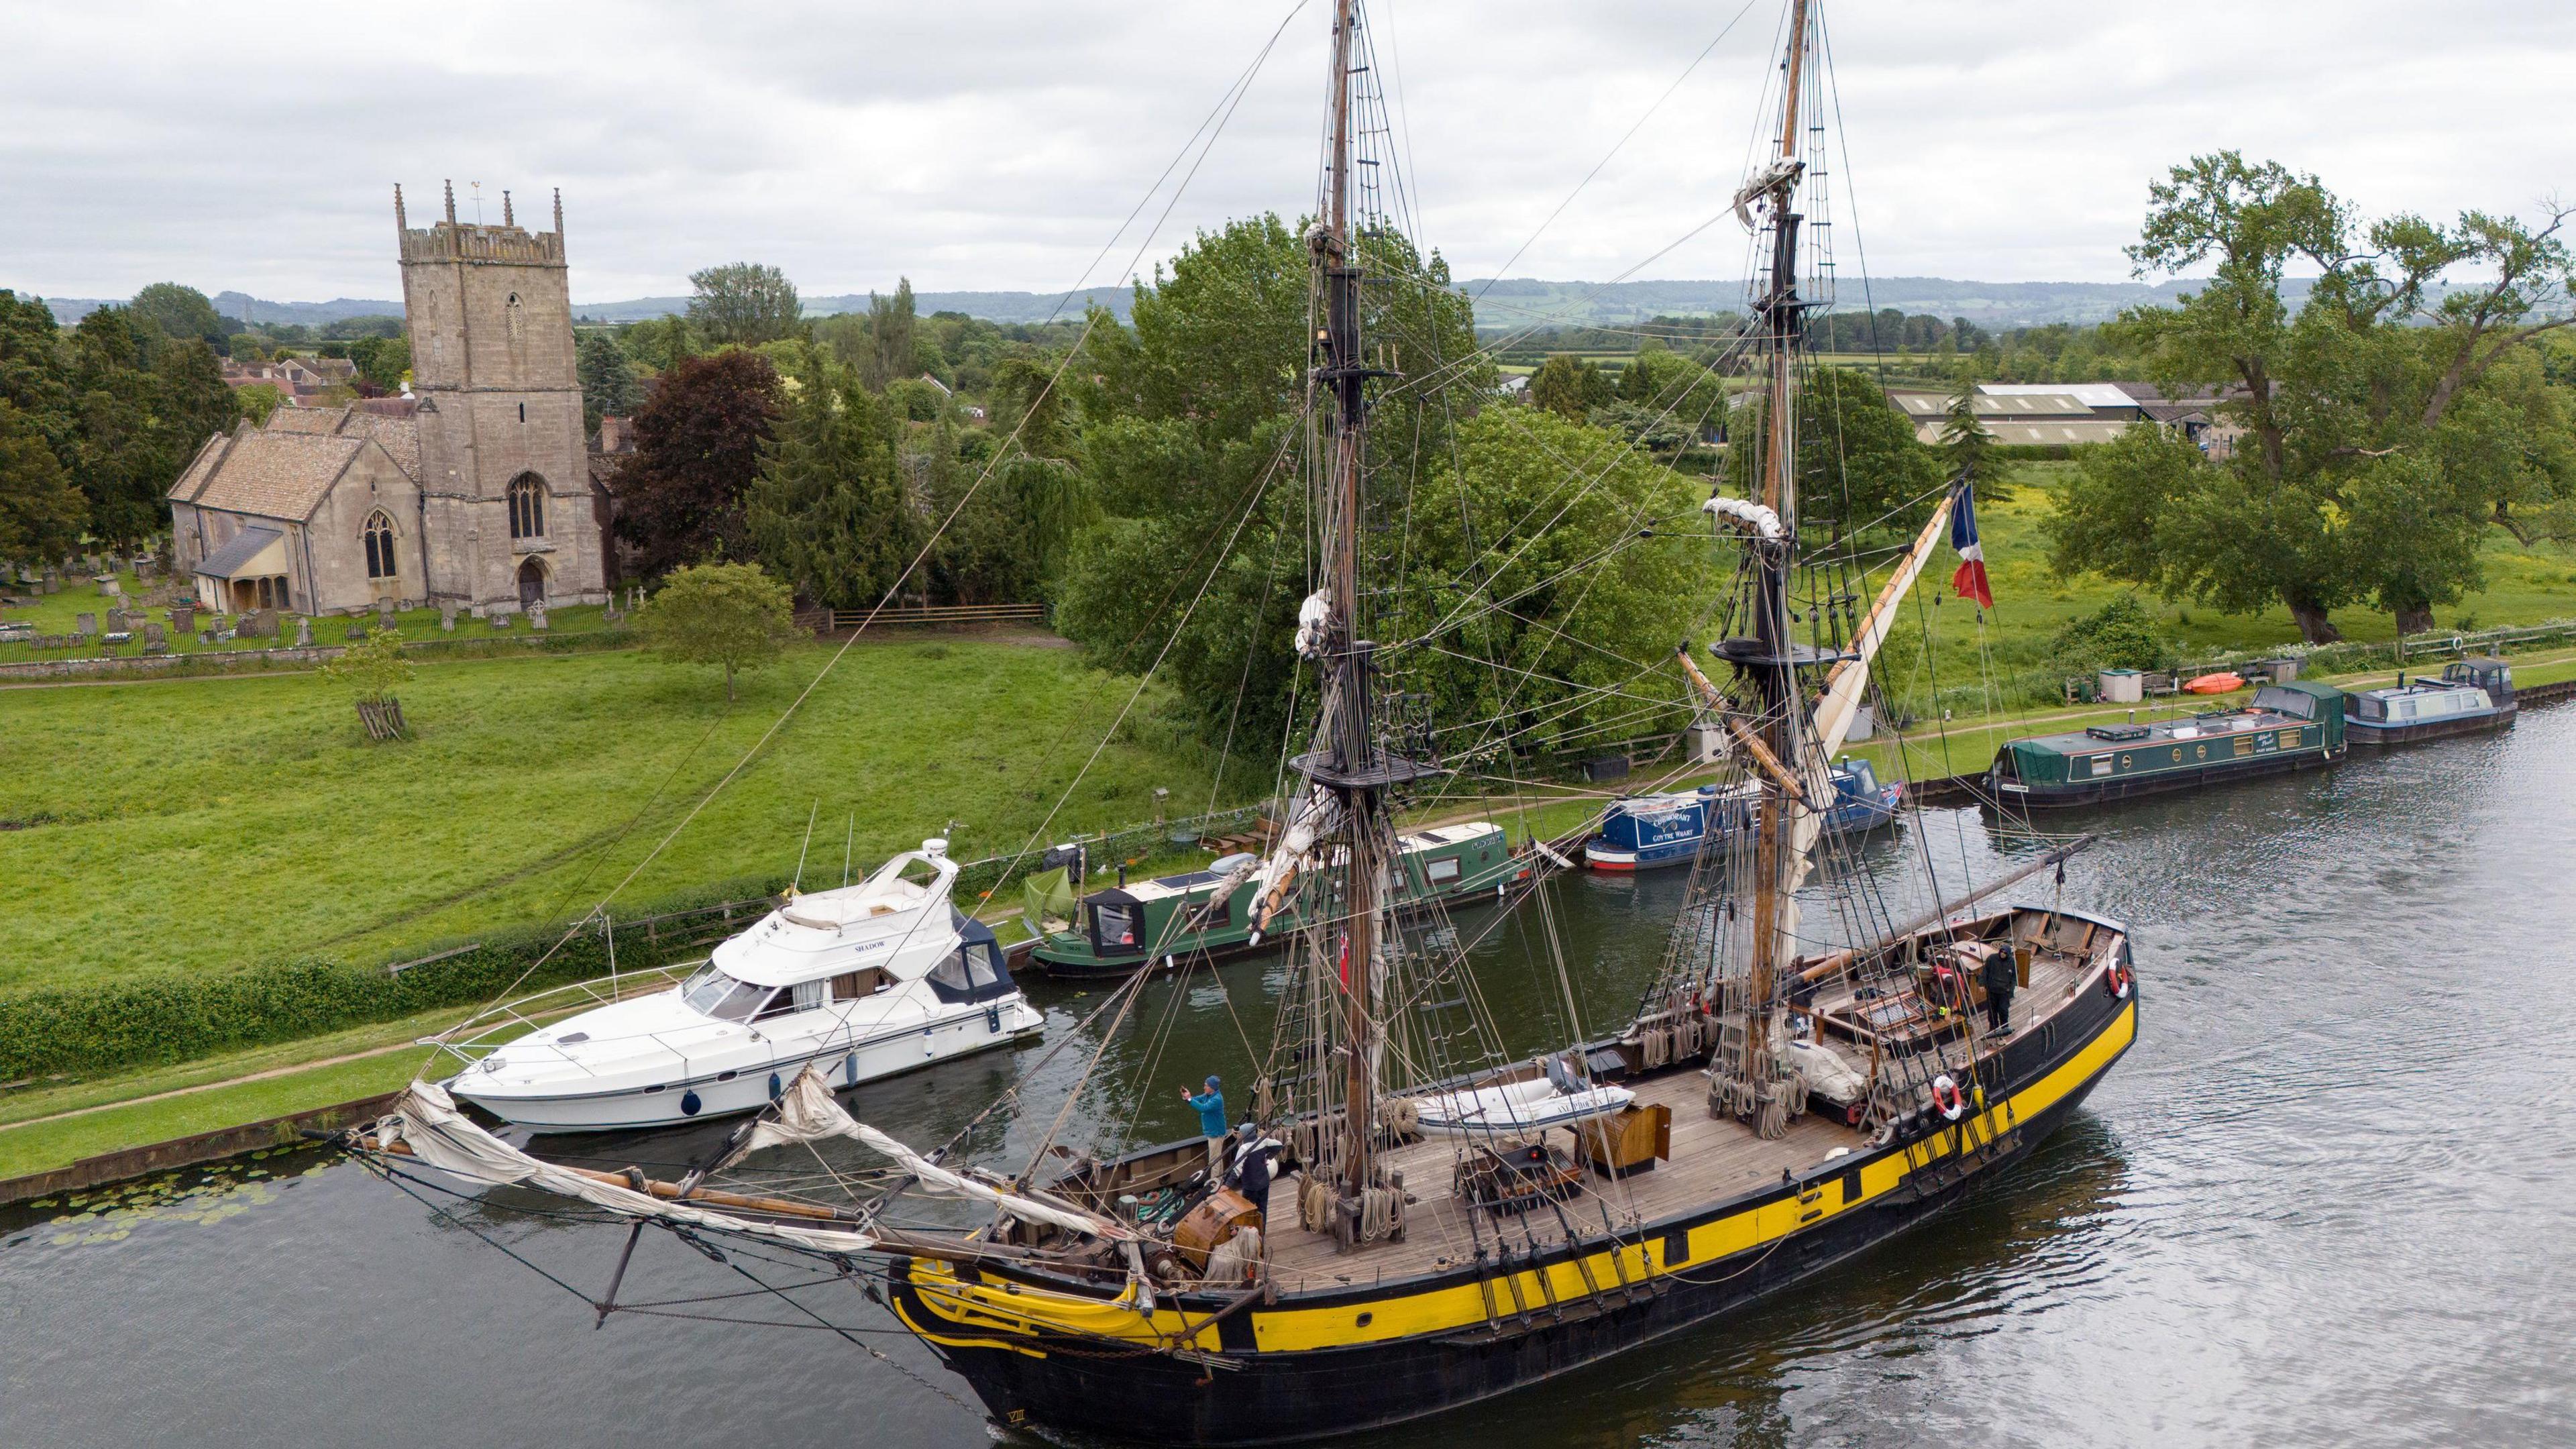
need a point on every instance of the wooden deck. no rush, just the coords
(1711, 1160)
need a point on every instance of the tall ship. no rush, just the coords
(1454, 1217)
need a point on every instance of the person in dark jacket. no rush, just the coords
(1997, 977)
(1256, 1163)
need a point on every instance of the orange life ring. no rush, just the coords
(1945, 1096)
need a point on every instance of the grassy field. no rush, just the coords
(59, 614)
(200, 823)
(1976, 666)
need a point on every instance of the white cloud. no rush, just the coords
(998, 145)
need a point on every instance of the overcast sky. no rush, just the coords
(998, 145)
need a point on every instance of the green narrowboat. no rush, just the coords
(2293, 725)
(1177, 920)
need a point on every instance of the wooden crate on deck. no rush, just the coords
(1628, 1141)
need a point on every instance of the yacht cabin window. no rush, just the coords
(951, 972)
(713, 993)
(856, 985)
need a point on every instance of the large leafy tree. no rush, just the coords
(181, 311)
(1541, 590)
(1859, 463)
(893, 328)
(2385, 424)
(829, 512)
(744, 302)
(699, 440)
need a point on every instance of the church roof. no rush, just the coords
(270, 474)
(226, 561)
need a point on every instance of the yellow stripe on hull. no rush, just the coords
(985, 1309)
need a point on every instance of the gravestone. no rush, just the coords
(107, 587)
(537, 617)
(152, 635)
(86, 626)
(303, 632)
(384, 613)
(447, 618)
(497, 619)
(116, 621)
(184, 618)
(257, 624)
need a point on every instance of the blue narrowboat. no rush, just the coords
(1642, 832)
(2294, 725)
(2472, 696)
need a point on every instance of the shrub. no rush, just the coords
(2119, 635)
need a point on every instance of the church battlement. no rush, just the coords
(507, 244)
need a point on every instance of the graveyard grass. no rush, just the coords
(200, 824)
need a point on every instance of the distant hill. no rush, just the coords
(1501, 305)
(1525, 302)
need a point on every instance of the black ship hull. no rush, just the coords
(1236, 1395)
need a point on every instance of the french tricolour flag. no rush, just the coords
(1970, 581)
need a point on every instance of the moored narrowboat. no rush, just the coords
(1644, 832)
(1195, 917)
(2472, 696)
(2293, 725)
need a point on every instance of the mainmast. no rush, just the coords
(1769, 658)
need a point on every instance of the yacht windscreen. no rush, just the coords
(712, 993)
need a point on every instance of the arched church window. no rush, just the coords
(527, 507)
(515, 315)
(380, 546)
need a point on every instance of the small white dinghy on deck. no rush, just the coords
(866, 981)
(1517, 1108)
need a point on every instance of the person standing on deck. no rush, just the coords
(1256, 1163)
(1997, 977)
(1210, 1106)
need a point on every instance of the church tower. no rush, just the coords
(507, 518)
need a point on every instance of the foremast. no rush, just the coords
(1749, 1084)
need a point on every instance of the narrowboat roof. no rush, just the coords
(2423, 688)
(1164, 887)
(2263, 714)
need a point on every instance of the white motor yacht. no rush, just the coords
(870, 980)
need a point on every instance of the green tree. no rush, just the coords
(182, 312)
(660, 343)
(745, 302)
(1859, 463)
(829, 512)
(1569, 386)
(608, 385)
(1968, 448)
(2381, 432)
(1537, 587)
(382, 361)
(728, 615)
(258, 400)
(373, 668)
(983, 554)
(1188, 424)
(892, 324)
(41, 513)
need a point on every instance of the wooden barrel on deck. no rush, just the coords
(1212, 1222)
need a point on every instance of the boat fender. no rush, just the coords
(1945, 1095)
(851, 1064)
(2116, 981)
(773, 1086)
(689, 1103)
(992, 1018)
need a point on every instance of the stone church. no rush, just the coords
(473, 492)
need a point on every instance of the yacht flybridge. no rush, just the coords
(862, 982)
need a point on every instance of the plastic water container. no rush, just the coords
(2120, 686)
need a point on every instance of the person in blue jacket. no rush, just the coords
(1210, 1106)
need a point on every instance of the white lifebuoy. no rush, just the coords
(2116, 981)
(1945, 1096)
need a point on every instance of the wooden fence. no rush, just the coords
(835, 621)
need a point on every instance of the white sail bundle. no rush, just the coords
(428, 1125)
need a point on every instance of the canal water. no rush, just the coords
(2329, 1198)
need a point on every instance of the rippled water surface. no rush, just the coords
(2327, 1199)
